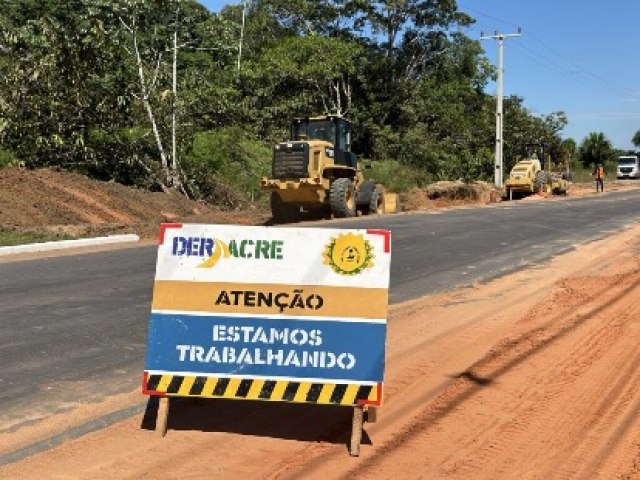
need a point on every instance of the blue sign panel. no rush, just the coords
(264, 347)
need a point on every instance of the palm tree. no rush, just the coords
(595, 149)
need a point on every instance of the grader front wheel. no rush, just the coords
(282, 212)
(342, 197)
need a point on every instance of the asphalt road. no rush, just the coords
(73, 328)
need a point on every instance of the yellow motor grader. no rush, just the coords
(316, 170)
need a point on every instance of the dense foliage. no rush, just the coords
(89, 85)
(595, 150)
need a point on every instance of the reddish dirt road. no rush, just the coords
(535, 375)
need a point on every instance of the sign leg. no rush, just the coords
(372, 414)
(356, 431)
(162, 416)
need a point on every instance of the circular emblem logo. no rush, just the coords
(348, 254)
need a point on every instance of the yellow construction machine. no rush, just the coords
(316, 171)
(530, 176)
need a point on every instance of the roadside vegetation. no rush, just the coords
(165, 95)
(10, 237)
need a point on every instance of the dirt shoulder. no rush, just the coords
(63, 203)
(68, 203)
(533, 375)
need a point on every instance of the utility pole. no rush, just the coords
(174, 99)
(244, 19)
(499, 96)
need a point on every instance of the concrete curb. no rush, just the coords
(62, 244)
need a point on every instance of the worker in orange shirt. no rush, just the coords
(599, 174)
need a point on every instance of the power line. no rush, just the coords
(506, 22)
(581, 68)
(589, 78)
(554, 67)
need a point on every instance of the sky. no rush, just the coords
(581, 57)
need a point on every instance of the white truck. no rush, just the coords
(628, 167)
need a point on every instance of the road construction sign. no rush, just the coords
(265, 313)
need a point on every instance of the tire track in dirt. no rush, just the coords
(515, 438)
(550, 397)
(406, 379)
(507, 356)
(615, 402)
(409, 384)
(466, 331)
(583, 460)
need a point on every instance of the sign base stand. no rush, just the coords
(162, 416)
(164, 404)
(356, 431)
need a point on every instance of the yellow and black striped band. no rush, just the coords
(260, 389)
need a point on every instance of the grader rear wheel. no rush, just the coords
(376, 204)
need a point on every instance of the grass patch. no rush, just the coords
(395, 176)
(15, 237)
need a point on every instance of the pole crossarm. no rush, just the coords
(500, 36)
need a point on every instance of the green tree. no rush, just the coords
(595, 149)
(526, 134)
(72, 93)
(222, 162)
(60, 82)
(306, 17)
(299, 76)
(390, 20)
(636, 139)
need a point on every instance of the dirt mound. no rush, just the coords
(451, 194)
(444, 194)
(70, 203)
